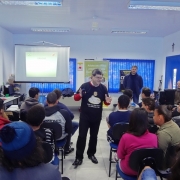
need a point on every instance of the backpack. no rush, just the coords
(67, 92)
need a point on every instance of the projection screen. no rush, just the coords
(41, 64)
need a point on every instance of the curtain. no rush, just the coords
(48, 87)
(172, 62)
(145, 69)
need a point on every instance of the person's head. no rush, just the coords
(58, 93)
(162, 115)
(1, 106)
(146, 92)
(178, 84)
(52, 98)
(19, 147)
(35, 115)
(134, 70)
(138, 122)
(129, 93)
(123, 102)
(148, 104)
(96, 77)
(34, 93)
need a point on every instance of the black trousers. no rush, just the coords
(86, 123)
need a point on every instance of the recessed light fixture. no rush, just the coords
(127, 32)
(155, 5)
(51, 30)
(31, 3)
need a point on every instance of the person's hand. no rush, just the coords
(108, 99)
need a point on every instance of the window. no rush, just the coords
(48, 87)
(145, 69)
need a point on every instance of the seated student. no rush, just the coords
(176, 111)
(136, 137)
(149, 105)
(146, 92)
(35, 117)
(169, 132)
(75, 125)
(32, 100)
(122, 115)
(54, 113)
(177, 94)
(3, 117)
(132, 104)
(21, 155)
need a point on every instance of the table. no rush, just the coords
(10, 100)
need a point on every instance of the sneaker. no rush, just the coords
(93, 159)
(69, 151)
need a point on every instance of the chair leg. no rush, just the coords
(62, 156)
(116, 175)
(110, 158)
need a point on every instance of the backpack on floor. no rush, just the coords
(67, 92)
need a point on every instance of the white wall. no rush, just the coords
(6, 55)
(99, 47)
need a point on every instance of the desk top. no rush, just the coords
(9, 99)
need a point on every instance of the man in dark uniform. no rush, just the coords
(134, 82)
(93, 94)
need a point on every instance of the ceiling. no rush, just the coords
(81, 15)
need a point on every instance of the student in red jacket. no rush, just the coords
(3, 117)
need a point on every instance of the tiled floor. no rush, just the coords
(88, 170)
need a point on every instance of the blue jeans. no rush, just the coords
(75, 126)
(148, 174)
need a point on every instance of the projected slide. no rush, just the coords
(41, 64)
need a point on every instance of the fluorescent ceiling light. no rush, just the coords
(31, 3)
(156, 5)
(128, 32)
(51, 30)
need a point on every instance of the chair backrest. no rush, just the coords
(55, 127)
(137, 157)
(23, 115)
(176, 119)
(118, 130)
(48, 152)
(170, 156)
(153, 128)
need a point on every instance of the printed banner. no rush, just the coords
(89, 66)
(123, 73)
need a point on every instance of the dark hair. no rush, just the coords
(128, 92)
(97, 71)
(165, 112)
(138, 122)
(58, 93)
(51, 98)
(35, 115)
(149, 102)
(146, 91)
(33, 92)
(134, 67)
(123, 101)
(36, 157)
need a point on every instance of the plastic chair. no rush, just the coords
(140, 158)
(59, 144)
(118, 130)
(176, 119)
(153, 128)
(48, 152)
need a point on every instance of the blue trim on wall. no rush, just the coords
(145, 69)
